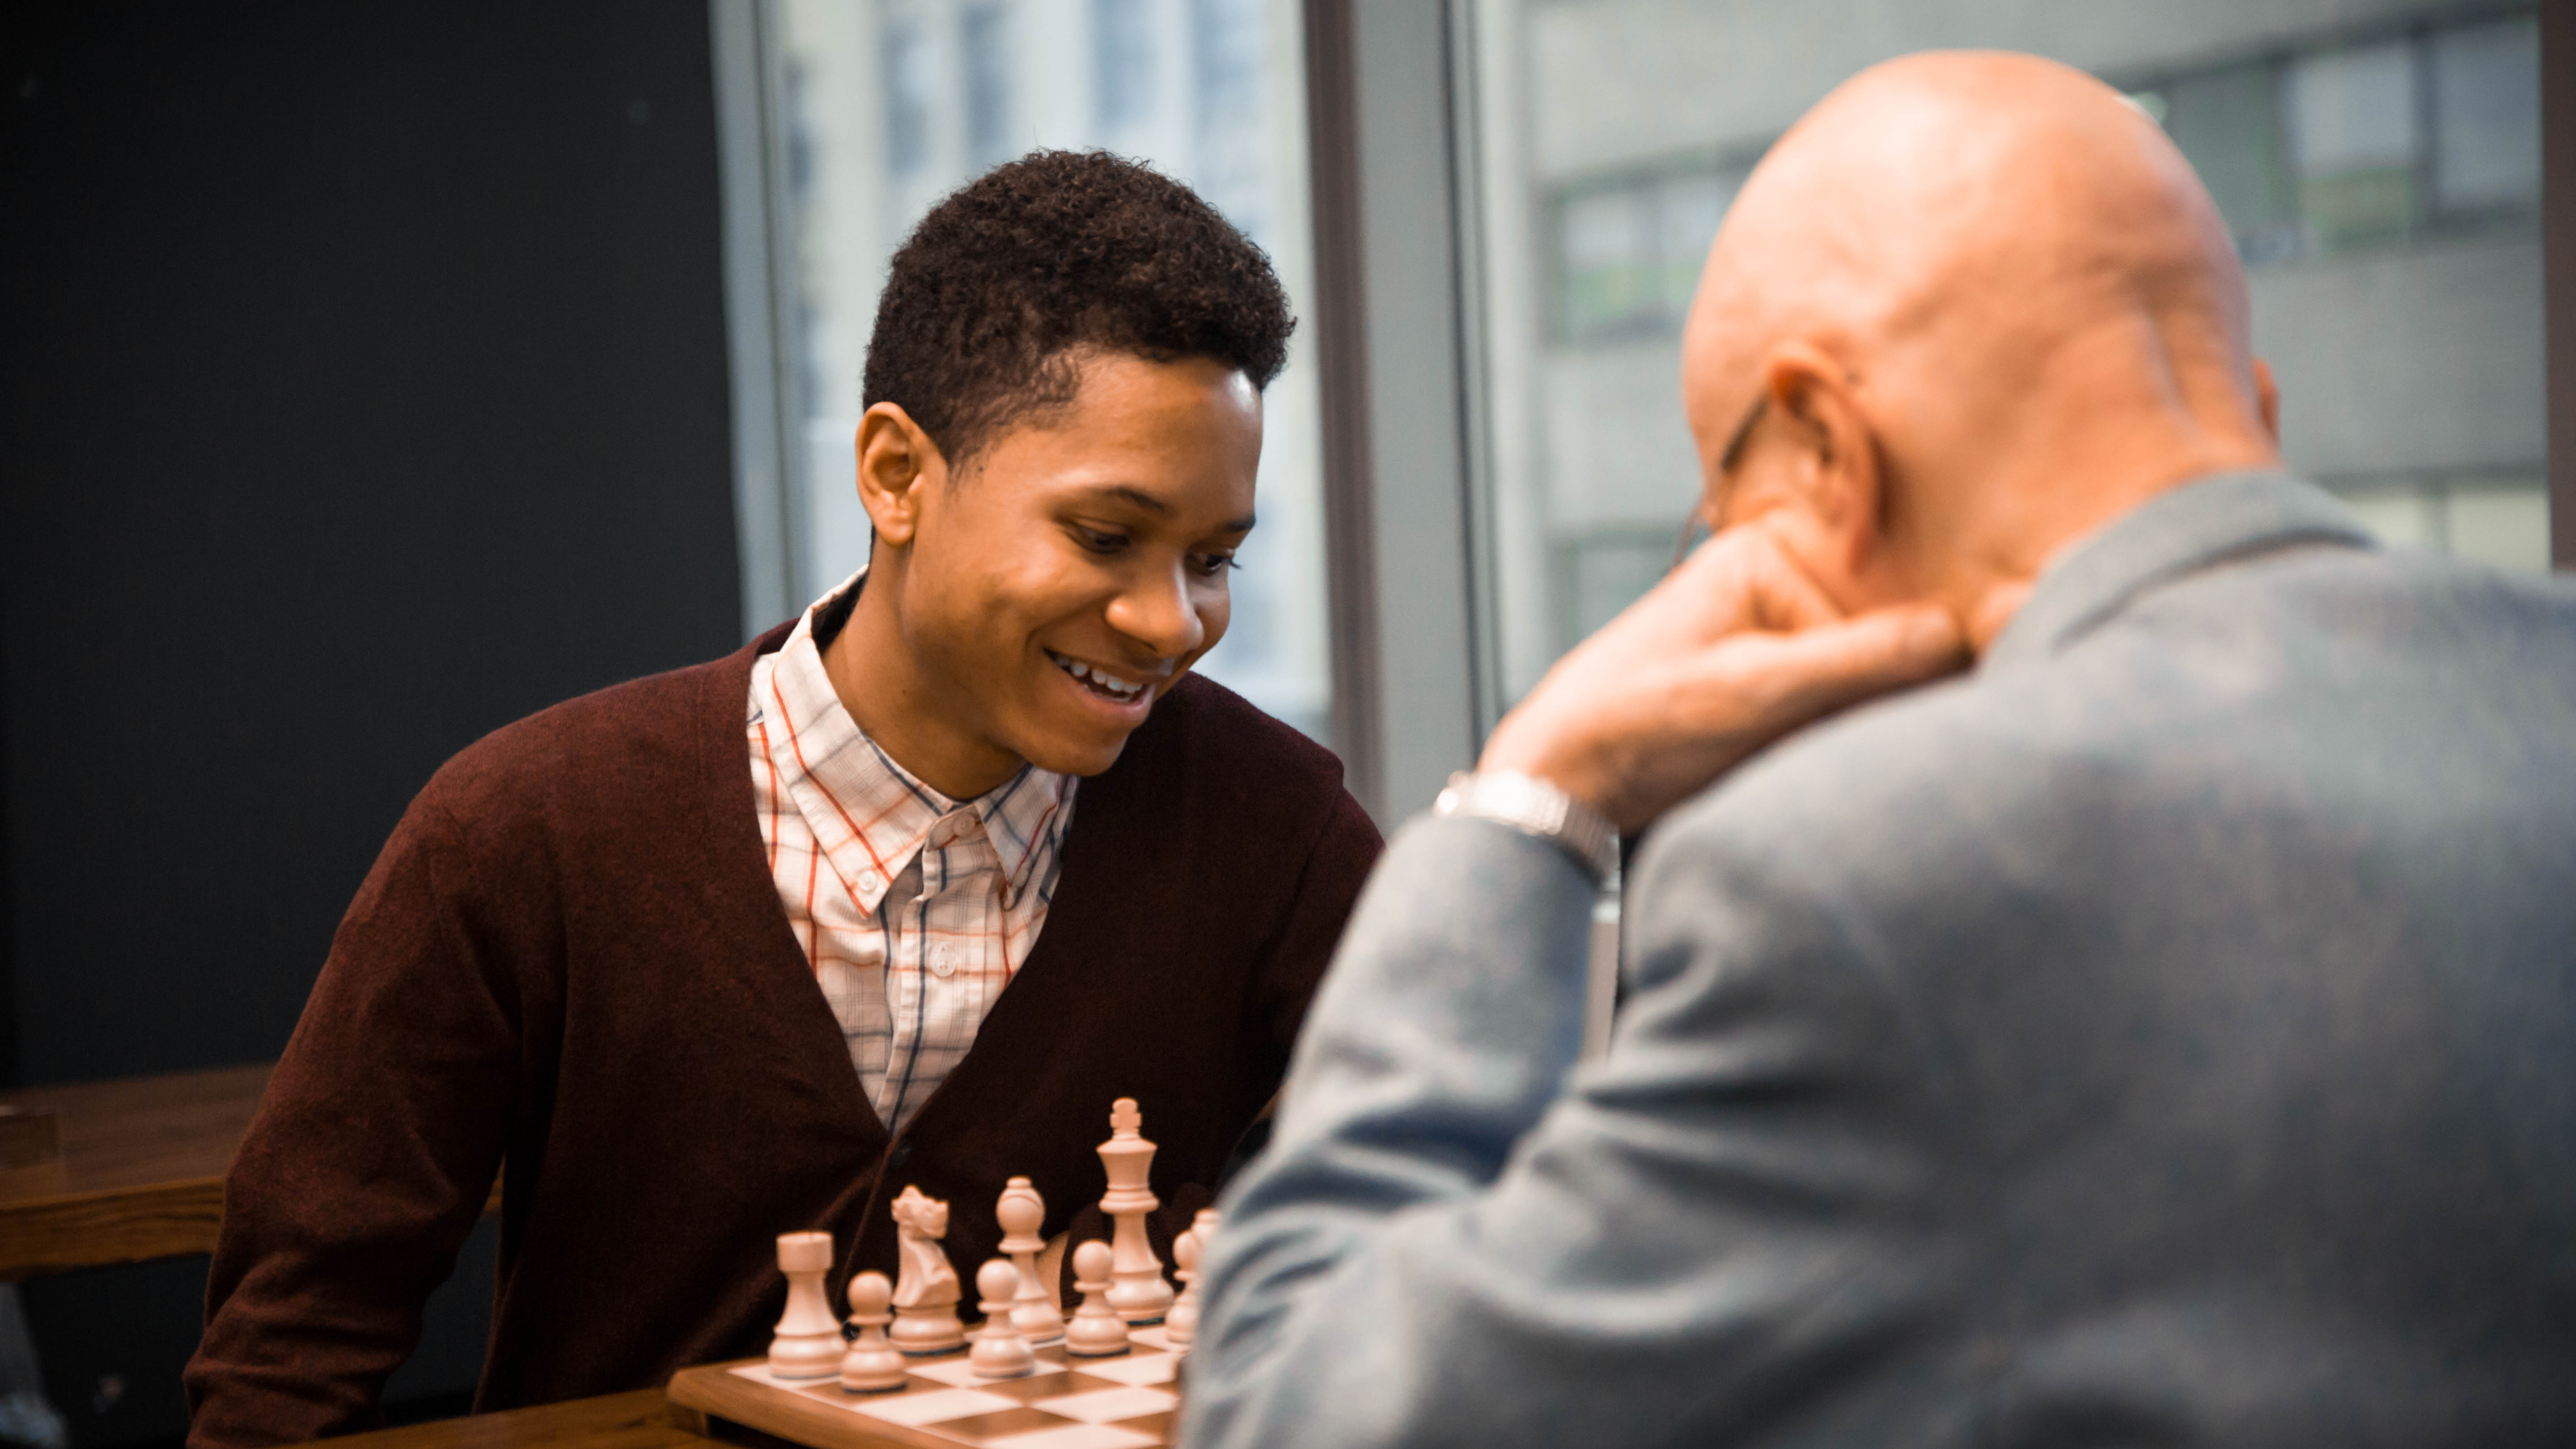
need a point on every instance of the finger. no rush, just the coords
(1782, 681)
(1763, 582)
(1740, 579)
(1781, 595)
(1703, 600)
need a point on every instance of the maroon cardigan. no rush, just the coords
(570, 958)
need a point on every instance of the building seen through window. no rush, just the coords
(893, 104)
(2377, 163)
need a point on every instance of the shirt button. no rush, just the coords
(943, 962)
(869, 880)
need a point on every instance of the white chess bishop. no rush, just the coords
(1022, 1214)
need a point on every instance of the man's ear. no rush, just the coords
(898, 466)
(2267, 398)
(1837, 463)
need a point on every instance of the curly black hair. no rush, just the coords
(1057, 252)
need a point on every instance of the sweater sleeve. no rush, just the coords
(370, 1159)
(1738, 1217)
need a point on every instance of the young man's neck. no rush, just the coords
(891, 697)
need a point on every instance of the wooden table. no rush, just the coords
(141, 1173)
(637, 1420)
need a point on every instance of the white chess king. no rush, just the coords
(1136, 1287)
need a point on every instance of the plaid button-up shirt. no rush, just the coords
(914, 910)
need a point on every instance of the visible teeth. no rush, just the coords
(1104, 682)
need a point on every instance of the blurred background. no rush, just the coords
(2379, 164)
(371, 376)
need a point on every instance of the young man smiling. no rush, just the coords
(905, 893)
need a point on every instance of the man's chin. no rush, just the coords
(1065, 753)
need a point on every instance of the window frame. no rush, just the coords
(2558, 266)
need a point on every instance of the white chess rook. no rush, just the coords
(1096, 1330)
(1137, 1290)
(1181, 1325)
(1000, 1352)
(872, 1364)
(807, 1344)
(1022, 1213)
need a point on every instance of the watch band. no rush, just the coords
(1537, 808)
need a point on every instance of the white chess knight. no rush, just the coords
(872, 1363)
(1096, 1330)
(1022, 1214)
(1000, 1352)
(925, 1289)
(807, 1344)
(1136, 1289)
(1181, 1325)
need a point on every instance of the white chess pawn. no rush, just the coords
(1096, 1330)
(1181, 1325)
(872, 1363)
(1000, 1352)
(1137, 1289)
(1022, 1213)
(1181, 1321)
(807, 1344)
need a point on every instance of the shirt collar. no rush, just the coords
(870, 815)
(2224, 516)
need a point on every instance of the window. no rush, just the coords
(908, 86)
(2382, 186)
(1629, 252)
(1122, 63)
(1226, 42)
(2334, 148)
(988, 87)
(2486, 119)
(2353, 143)
(2228, 122)
(891, 105)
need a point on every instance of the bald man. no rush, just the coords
(2163, 1031)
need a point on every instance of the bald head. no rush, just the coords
(1970, 307)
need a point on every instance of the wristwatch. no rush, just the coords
(1534, 807)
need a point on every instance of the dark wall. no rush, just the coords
(362, 387)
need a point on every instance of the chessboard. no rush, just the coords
(1126, 1401)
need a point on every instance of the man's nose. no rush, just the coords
(1156, 612)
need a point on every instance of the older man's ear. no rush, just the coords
(1811, 474)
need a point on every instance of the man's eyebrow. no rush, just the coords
(1130, 493)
